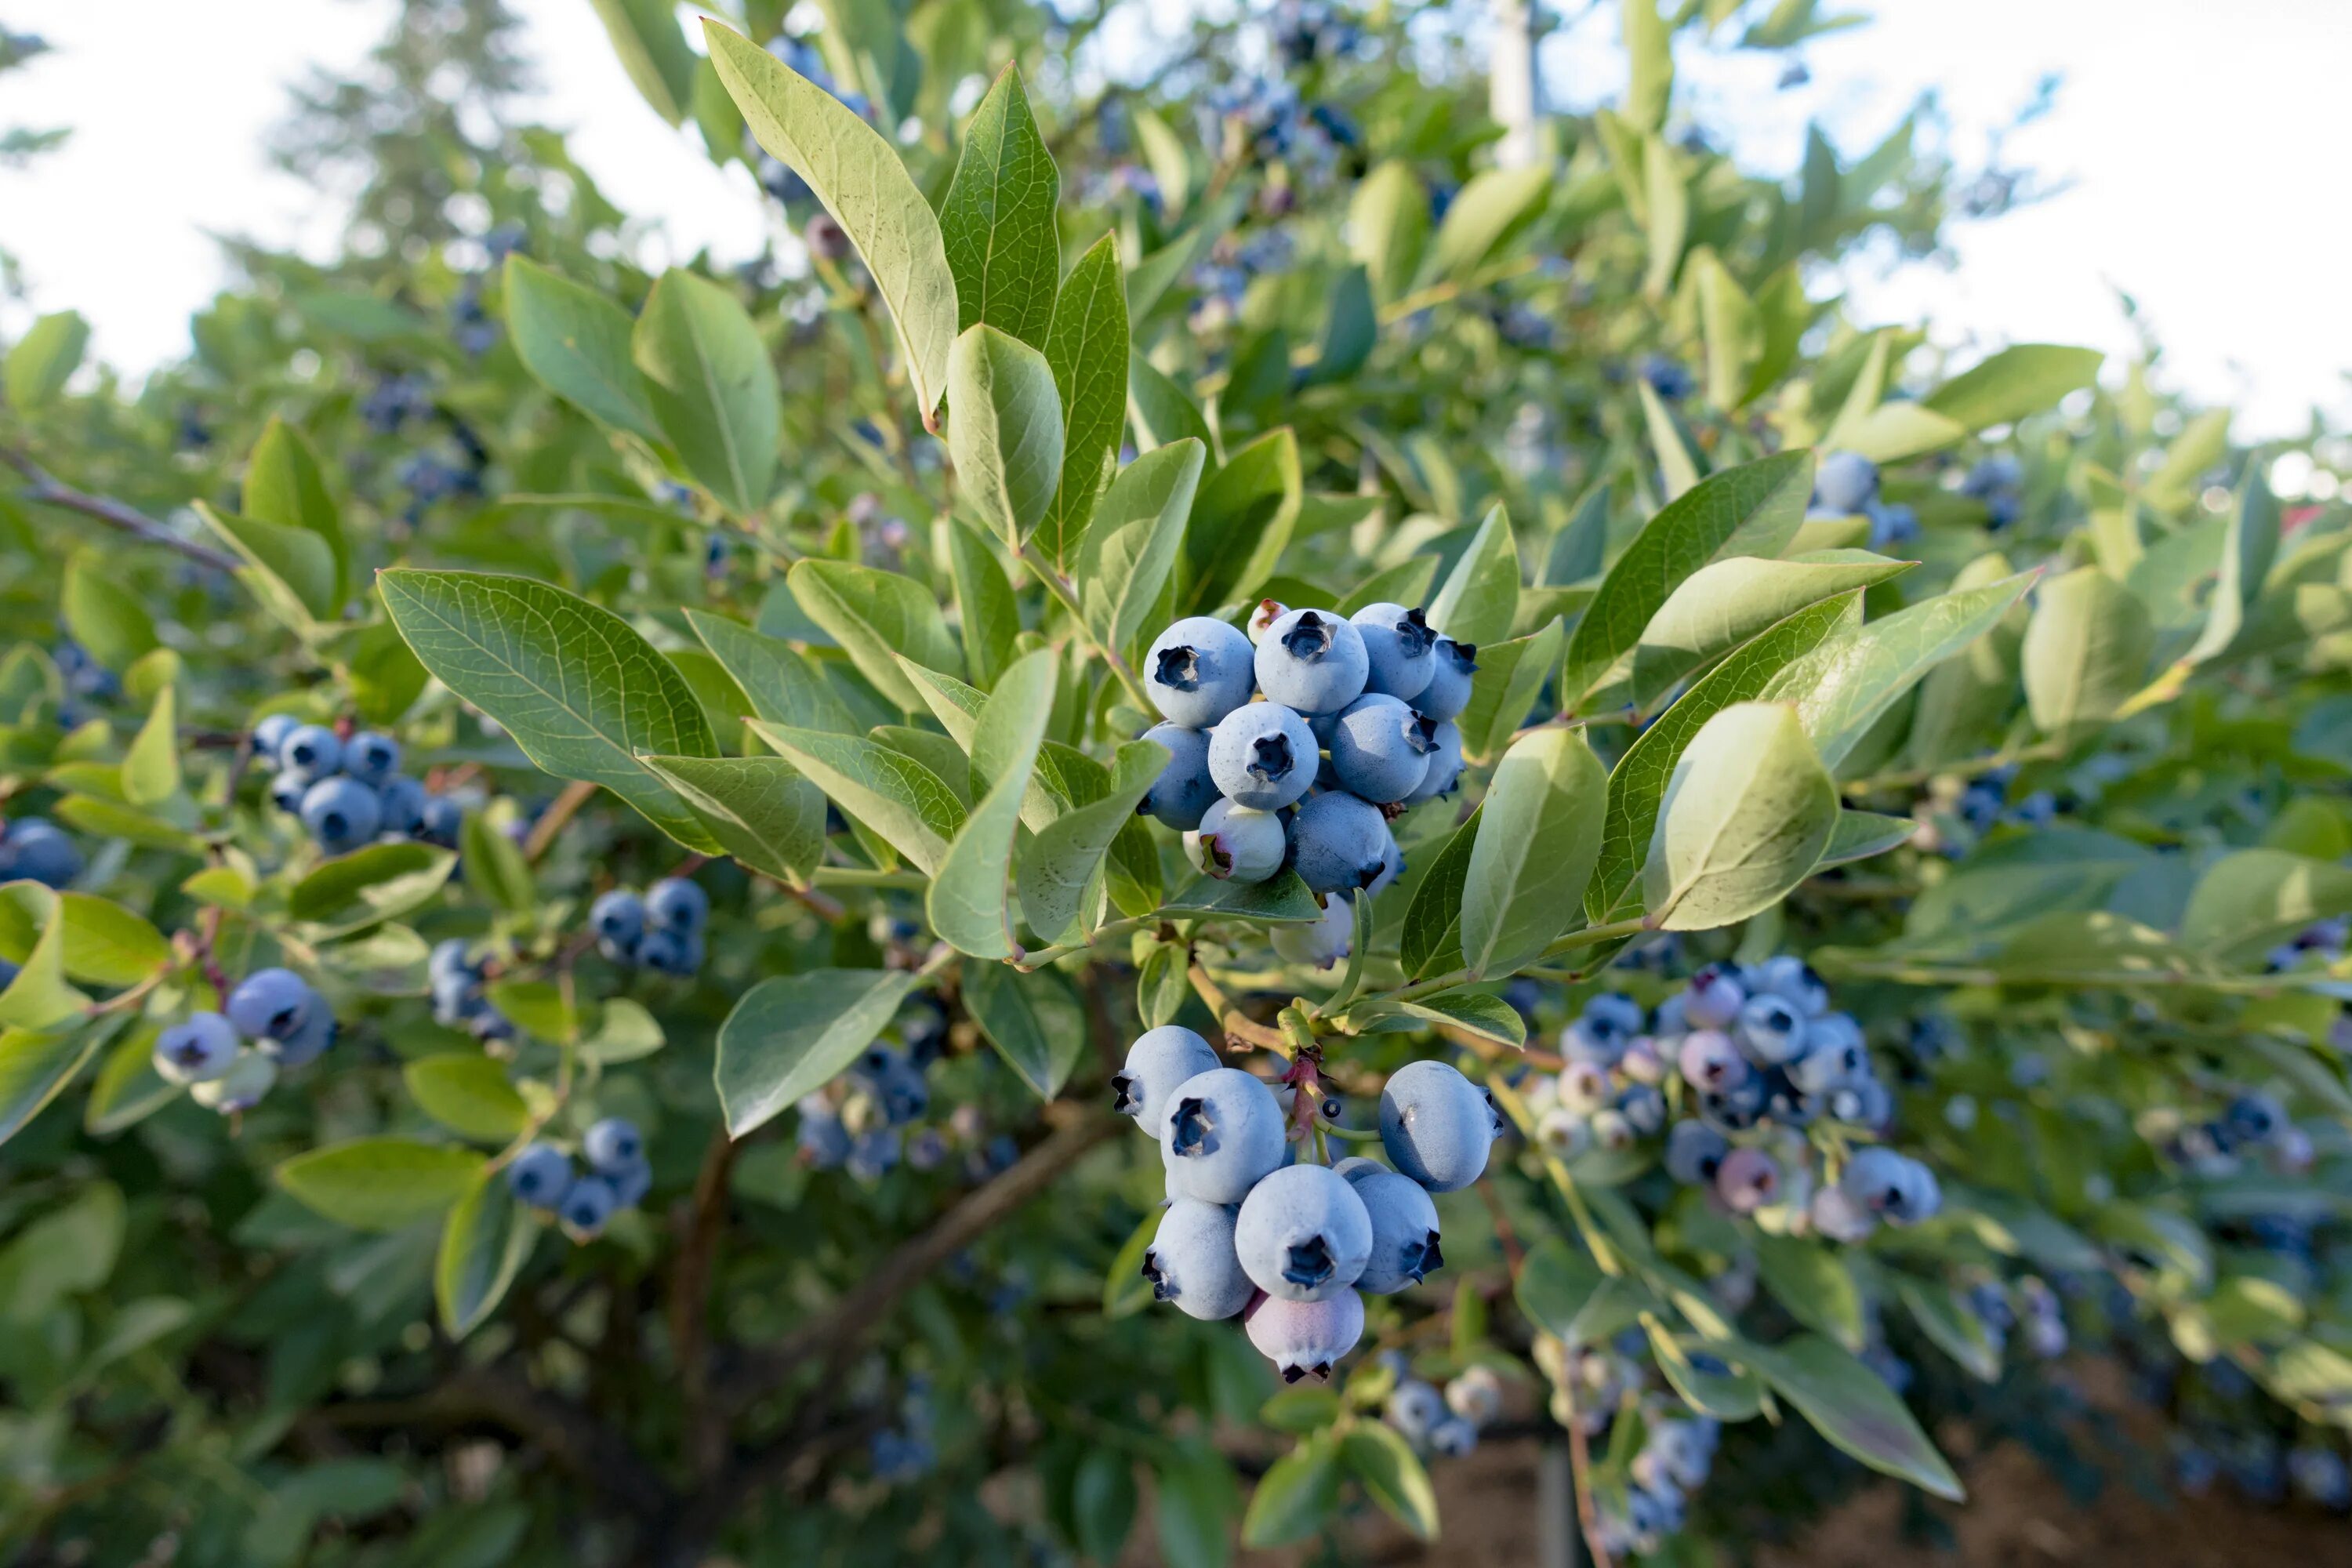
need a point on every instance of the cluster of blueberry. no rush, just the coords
(460, 999)
(2261, 1466)
(1305, 31)
(1596, 1386)
(1250, 783)
(35, 849)
(859, 1121)
(906, 1452)
(661, 931)
(349, 792)
(1760, 1056)
(289, 1024)
(2253, 1125)
(1221, 281)
(2035, 1308)
(1288, 1245)
(1846, 485)
(1445, 1423)
(393, 401)
(617, 1177)
(1998, 481)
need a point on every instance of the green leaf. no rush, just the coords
(645, 35)
(541, 1008)
(713, 390)
(577, 344)
(2251, 899)
(291, 571)
(626, 1033)
(759, 809)
(1193, 1506)
(1948, 1324)
(782, 687)
(1295, 1497)
(875, 617)
(41, 362)
(967, 901)
(1848, 1405)
(2018, 381)
(1649, 44)
(150, 768)
(1388, 224)
(1564, 1292)
(72, 1248)
(1087, 349)
(380, 1184)
(1431, 941)
(1503, 692)
(864, 184)
(105, 618)
(1162, 411)
(1538, 835)
(2085, 651)
(1124, 1290)
(985, 602)
(103, 942)
(377, 883)
(2248, 549)
(386, 679)
(1894, 431)
(1281, 900)
(485, 1242)
(1858, 834)
(1350, 330)
(997, 221)
(1242, 523)
(1377, 1454)
(1678, 466)
(1478, 1012)
(128, 1088)
(1844, 686)
(908, 804)
(1480, 597)
(35, 1064)
(1726, 603)
(1102, 1504)
(37, 996)
(1004, 430)
(581, 693)
(794, 1034)
(467, 1094)
(1035, 1021)
(1062, 861)
(1814, 1284)
(1489, 206)
(1743, 819)
(496, 866)
(1752, 510)
(1135, 540)
(286, 487)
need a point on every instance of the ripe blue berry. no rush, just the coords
(1896, 1188)
(611, 1145)
(1436, 1125)
(37, 850)
(1404, 1228)
(1339, 842)
(1398, 645)
(1221, 1132)
(2254, 1119)
(1713, 998)
(272, 1005)
(1235, 844)
(1156, 1064)
(675, 904)
(1304, 1338)
(1262, 756)
(1414, 1408)
(539, 1175)
(1303, 1234)
(401, 802)
(587, 1204)
(1320, 943)
(441, 822)
(1380, 748)
(1833, 1057)
(286, 791)
(1198, 670)
(1451, 666)
(370, 757)
(618, 917)
(308, 1043)
(1191, 1261)
(631, 1182)
(1313, 662)
(1444, 769)
(311, 749)
(1844, 484)
(270, 737)
(1747, 1180)
(1453, 1439)
(197, 1049)
(670, 952)
(240, 1088)
(824, 1142)
(341, 814)
(873, 1154)
(1709, 1061)
(1788, 976)
(1770, 1030)
(1184, 791)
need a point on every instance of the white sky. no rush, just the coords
(2204, 140)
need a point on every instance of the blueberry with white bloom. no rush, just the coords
(1405, 1228)
(1303, 1234)
(1221, 1132)
(270, 737)
(1563, 1133)
(198, 1050)
(539, 1175)
(1695, 1152)
(1713, 998)
(1845, 483)
(1413, 1407)
(307, 1044)
(241, 1088)
(1320, 943)
(1436, 1125)
(1838, 1217)
(1192, 1263)
(669, 952)
(1306, 1338)
(1601, 1032)
(1453, 1439)
(1397, 649)
(1894, 1186)
(612, 1144)
(272, 1005)
(1445, 770)
(587, 1204)
(287, 790)
(1451, 666)
(1787, 975)
(1643, 1107)
(312, 750)
(2254, 1118)
(1313, 662)
(1235, 844)
(1583, 1086)
(341, 814)
(1709, 1061)
(1380, 748)
(675, 904)
(1184, 791)
(1770, 1030)
(1747, 1180)
(1833, 1056)
(1339, 842)
(873, 1154)
(1159, 1061)
(1262, 756)
(371, 757)
(1198, 670)
(401, 803)
(441, 822)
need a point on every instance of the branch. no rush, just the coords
(46, 489)
(552, 821)
(690, 1304)
(1236, 1023)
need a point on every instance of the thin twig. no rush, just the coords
(1236, 1023)
(48, 490)
(690, 1304)
(556, 818)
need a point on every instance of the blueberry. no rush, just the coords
(613, 1145)
(307, 1044)
(1845, 483)
(1404, 1228)
(370, 757)
(539, 1175)
(1312, 661)
(1838, 1217)
(2254, 1119)
(927, 1149)
(1445, 770)
(1833, 1056)
(1769, 1031)
(1789, 977)
(1643, 1109)
(631, 1182)
(1391, 863)
(1303, 1339)
(1191, 1261)
(1235, 844)
(1563, 1133)
(287, 790)
(873, 1154)
(675, 904)
(1896, 1188)
(341, 814)
(823, 1141)
(1157, 1061)
(1476, 1395)
(1339, 842)
(1747, 1180)
(199, 1048)
(1713, 999)
(1303, 1234)
(311, 749)
(618, 917)
(1451, 666)
(239, 1089)
(1398, 645)
(400, 802)
(1436, 1125)
(1735, 1108)
(1380, 748)
(1221, 1132)
(1198, 670)
(587, 1204)
(37, 850)
(1414, 1408)
(1453, 1438)
(440, 822)
(1711, 1063)
(272, 1005)
(668, 952)
(1322, 942)
(270, 737)
(1262, 756)
(1582, 1087)
(1184, 791)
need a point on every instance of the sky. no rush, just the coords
(2198, 144)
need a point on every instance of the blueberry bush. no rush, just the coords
(603, 866)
